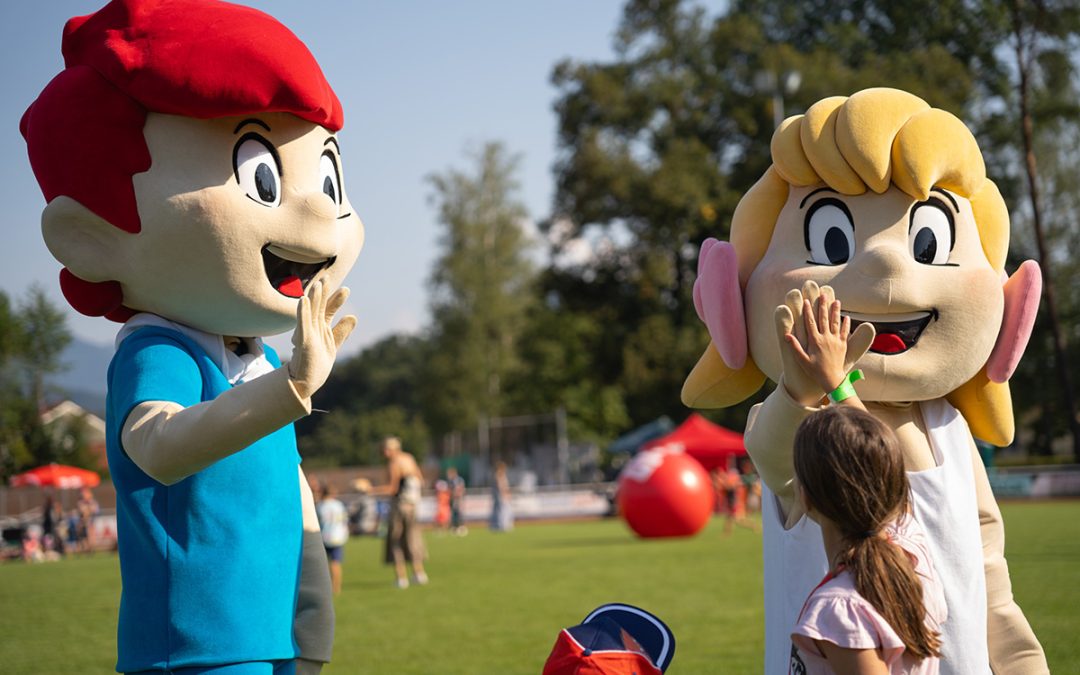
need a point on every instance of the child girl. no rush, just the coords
(878, 608)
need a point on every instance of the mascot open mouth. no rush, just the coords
(897, 335)
(290, 272)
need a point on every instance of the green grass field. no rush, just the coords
(496, 602)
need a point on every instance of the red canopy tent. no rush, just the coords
(708, 443)
(58, 476)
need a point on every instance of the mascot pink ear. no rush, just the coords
(1022, 292)
(718, 301)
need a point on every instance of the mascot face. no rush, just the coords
(915, 269)
(239, 215)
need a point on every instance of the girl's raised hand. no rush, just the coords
(817, 345)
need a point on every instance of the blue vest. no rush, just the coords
(210, 565)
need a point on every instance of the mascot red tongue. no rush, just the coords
(854, 183)
(887, 343)
(292, 287)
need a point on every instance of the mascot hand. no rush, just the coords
(803, 379)
(315, 343)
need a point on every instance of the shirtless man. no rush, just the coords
(403, 541)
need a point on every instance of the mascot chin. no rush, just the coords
(881, 202)
(189, 160)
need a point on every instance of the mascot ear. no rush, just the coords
(1022, 293)
(81, 240)
(718, 301)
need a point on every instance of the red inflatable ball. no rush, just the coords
(665, 493)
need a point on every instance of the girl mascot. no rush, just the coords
(188, 156)
(881, 202)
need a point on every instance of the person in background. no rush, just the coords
(442, 505)
(364, 514)
(31, 545)
(502, 513)
(87, 509)
(334, 524)
(52, 525)
(404, 543)
(752, 483)
(457, 501)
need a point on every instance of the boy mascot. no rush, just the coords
(881, 202)
(193, 180)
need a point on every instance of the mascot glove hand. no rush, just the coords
(802, 383)
(315, 343)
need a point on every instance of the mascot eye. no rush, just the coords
(329, 180)
(930, 235)
(829, 233)
(256, 166)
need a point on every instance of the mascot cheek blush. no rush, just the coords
(189, 160)
(665, 494)
(881, 202)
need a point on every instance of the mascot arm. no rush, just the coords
(1014, 649)
(313, 625)
(770, 435)
(170, 442)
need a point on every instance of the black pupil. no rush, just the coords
(836, 246)
(265, 183)
(328, 188)
(925, 247)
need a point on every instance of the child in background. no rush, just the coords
(442, 505)
(334, 524)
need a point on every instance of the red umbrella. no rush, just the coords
(58, 476)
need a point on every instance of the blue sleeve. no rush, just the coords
(153, 368)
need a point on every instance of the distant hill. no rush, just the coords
(84, 380)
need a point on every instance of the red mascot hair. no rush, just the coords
(197, 58)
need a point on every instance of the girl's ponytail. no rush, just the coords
(885, 576)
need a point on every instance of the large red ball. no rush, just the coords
(665, 494)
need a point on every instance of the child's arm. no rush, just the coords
(852, 661)
(170, 442)
(1013, 647)
(771, 426)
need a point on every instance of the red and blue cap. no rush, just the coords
(614, 639)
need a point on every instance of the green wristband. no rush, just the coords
(846, 389)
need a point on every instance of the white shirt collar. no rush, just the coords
(235, 368)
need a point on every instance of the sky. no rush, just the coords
(421, 82)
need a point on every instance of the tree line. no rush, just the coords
(655, 148)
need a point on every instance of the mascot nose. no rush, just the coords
(881, 262)
(320, 206)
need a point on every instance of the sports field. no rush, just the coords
(497, 601)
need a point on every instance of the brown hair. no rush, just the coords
(850, 468)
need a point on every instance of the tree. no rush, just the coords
(561, 352)
(368, 397)
(32, 338)
(480, 290)
(350, 437)
(658, 144)
(1047, 116)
